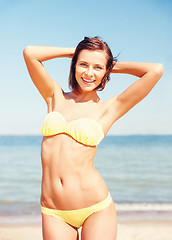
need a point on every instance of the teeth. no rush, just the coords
(88, 80)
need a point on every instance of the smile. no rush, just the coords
(88, 81)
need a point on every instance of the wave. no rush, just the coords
(145, 206)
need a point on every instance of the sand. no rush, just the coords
(126, 231)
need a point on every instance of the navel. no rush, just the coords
(61, 181)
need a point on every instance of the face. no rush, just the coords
(90, 69)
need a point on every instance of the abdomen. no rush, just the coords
(69, 179)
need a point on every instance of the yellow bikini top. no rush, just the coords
(84, 130)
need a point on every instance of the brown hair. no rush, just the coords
(94, 43)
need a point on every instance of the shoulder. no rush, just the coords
(108, 113)
(56, 98)
(111, 102)
(111, 108)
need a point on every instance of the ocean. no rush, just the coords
(137, 170)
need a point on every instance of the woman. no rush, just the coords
(73, 192)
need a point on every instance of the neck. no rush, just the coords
(84, 96)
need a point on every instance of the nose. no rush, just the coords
(89, 72)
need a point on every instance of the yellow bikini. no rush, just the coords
(84, 130)
(77, 217)
(88, 132)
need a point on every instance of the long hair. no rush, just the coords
(94, 43)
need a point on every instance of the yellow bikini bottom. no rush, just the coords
(77, 217)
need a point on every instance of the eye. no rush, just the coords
(98, 67)
(83, 64)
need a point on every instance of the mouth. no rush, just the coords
(87, 81)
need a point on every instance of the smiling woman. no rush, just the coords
(102, 63)
(90, 69)
(73, 192)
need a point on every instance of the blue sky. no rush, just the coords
(140, 30)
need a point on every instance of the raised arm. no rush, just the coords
(148, 73)
(34, 56)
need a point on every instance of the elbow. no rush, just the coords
(159, 69)
(27, 51)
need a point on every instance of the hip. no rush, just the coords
(77, 217)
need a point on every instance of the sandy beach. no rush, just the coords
(126, 230)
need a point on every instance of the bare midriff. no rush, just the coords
(69, 179)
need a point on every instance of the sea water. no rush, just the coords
(137, 170)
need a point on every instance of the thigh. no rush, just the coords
(101, 225)
(56, 229)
